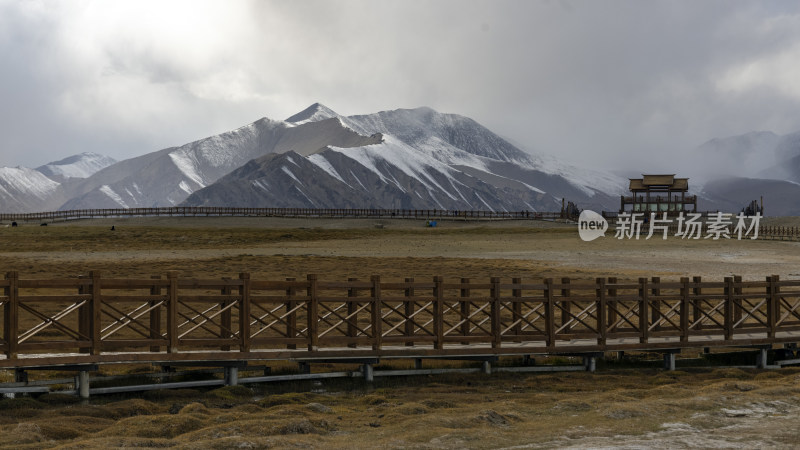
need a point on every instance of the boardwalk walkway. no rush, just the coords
(103, 320)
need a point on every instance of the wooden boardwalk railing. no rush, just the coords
(96, 319)
(186, 211)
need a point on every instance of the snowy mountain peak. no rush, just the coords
(77, 166)
(313, 113)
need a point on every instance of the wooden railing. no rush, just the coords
(97, 319)
(204, 211)
(782, 233)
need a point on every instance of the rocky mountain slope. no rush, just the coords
(417, 159)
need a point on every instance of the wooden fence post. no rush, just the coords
(465, 309)
(97, 308)
(566, 304)
(291, 319)
(696, 303)
(516, 308)
(352, 316)
(728, 308)
(377, 312)
(655, 303)
(312, 313)
(172, 312)
(438, 312)
(644, 327)
(155, 314)
(244, 312)
(550, 320)
(611, 305)
(685, 309)
(772, 304)
(601, 310)
(226, 317)
(737, 302)
(409, 308)
(11, 315)
(496, 327)
(84, 317)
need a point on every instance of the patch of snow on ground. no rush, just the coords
(263, 185)
(289, 172)
(318, 160)
(106, 189)
(185, 187)
(396, 153)
(484, 202)
(306, 196)
(357, 180)
(187, 165)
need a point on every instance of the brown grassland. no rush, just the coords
(624, 404)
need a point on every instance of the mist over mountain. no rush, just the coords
(731, 172)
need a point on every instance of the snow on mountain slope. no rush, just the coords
(388, 174)
(166, 179)
(393, 153)
(313, 113)
(291, 180)
(76, 166)
(458, 140)
(29, 181)
(22, 189)
(412, 157)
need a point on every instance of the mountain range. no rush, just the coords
(406, 158)
(400, 159)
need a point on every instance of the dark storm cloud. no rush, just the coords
(601, 82)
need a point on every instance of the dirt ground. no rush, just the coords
(391, 248)
(617, 407)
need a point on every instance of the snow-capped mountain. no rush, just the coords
(77, 166)
(419, 158)
(24, 190)
(406, 158)
(169, 176)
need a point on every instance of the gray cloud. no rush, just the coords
(612, 83)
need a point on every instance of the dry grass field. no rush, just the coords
(619, 406)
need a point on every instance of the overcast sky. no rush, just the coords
(601, 83)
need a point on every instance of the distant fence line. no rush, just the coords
(101, 319)
(208, 211)
(765, 232)
(782, 233)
